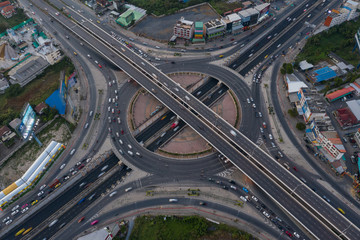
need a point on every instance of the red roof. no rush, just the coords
(339, 93)
(8, 9)
(3, 4)
(328, 21)
(40, 107)
(3, 130)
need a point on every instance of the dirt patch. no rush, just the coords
(20, 162)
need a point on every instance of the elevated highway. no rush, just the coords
(319, 218)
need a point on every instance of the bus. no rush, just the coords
(55, 182)
(19, 232)
(27, 230)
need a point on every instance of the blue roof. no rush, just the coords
(324, 74)
(56, 101)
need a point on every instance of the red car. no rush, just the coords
(81, 219)
(81, 166)
(288, 233)
(118, 111)
(94, 222)
(295, 168)
(122, 132)
(100, 66)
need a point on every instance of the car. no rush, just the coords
(253, 105)
(243, 198)
(75, 53)
(309, 15)
(102, 173)
(295, 168)
(40, 193)
(248, 100)
(296, 235)
(255, 198)
(109, 128)
(78, 163)
(73, 173)
(341, 211)
(15, 207)
(14, 212)
(270, 136)
(81, 219)
(99, 65)
(251, 55)
(91, 113)
(119, 120)
(62, 166)
(288, 233)
(121, 151)
(8, 222)
(86, 125)
(36, 201)
(264, 124)
(157, 47)
(24, 206)
(57, 13)
(303, 180)
(221, 56)
(261, 130)
(94, 222)
(66, 178)
(72, 152)
(266, 214)
(81, 166)
(245, 189)
(24, 210)
(112, 194)
(280, 154)
(122, 132)
(104, 168)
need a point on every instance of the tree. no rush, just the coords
(293, 112)
(300, 126)
(13, 91)
(289, 68)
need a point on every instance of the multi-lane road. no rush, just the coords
(232, 143)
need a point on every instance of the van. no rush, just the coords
(112, 194)
(128, 189)
(72, 152)
(173, 200)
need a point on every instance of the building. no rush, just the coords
(125, 19)
(322, 74)
(293, 85)
(26, 71)
(3, 84)
(350, 115)
(199, 33)
(6, 134)
(215, 28)
(311, 107)
(341, 93)
(234, 24)
(39, 109)
(304, 65)
(357, 137)
(53, 57)
(184, 29)
(328, 145)
(14, 124)
(348, 11)
(4, 4)
(8, 11)
(249, 16)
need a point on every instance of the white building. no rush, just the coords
(184, 28)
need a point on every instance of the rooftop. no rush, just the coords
(339, 93)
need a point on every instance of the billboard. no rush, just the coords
(27, 122)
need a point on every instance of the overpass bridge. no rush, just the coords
(319, 218)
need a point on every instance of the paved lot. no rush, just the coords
(161, 28)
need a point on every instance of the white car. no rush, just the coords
(121, 151)
(40, 193)
(129, 146)
(5, 219)
(119, 120)
(243, 198)
(109, 100)
(62, 166)
(8, 222)
(270, 136)
(128, 189)
(266, 214)
(112, 194)
(14, 212)
(15, 207)
(121, 142)
(254, 198)
(102, 173)
(42, 187)
(78, 164)
(104, 168)
(25, 209)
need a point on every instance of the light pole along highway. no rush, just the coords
(320, 219)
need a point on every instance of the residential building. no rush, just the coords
(8, 11)
(304, 65)
(293, 85)
(6, 134)
(215, 28)
(4, 4)
(39, 109)
(184, 29)
(357, 137)
(322, 74)
(14, 124)
(3, 84)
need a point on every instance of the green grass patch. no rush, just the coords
(183, 228)
(37, 91)
(338, 39)
(16, 19)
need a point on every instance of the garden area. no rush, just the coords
(338, 39)
(168, 7)
(37, 91)
(183, 228)
(16, 19)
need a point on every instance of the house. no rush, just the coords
(6, 134)
(39, 109)
(8, 11)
